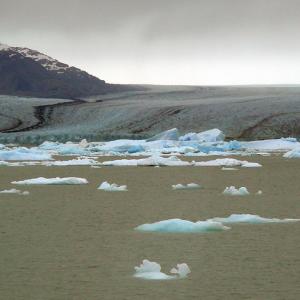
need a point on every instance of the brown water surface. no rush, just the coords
(77, 242)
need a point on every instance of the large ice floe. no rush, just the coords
(233, 191)
(105, 186)
(183, 226)
(23, 153)
(282, 144)
(55, 181)
(189, 186)
(154, 160)
(14, 191)
(152, 271)
(251, 219)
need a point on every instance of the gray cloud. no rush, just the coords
(166, 41)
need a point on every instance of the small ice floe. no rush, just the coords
(105, 186)
(259, 192)
(292, 154)
(14, 191)
(252, 219)
(56, 180)
(182, 226)
(152, 271)
(72, 162)
(227, 162)
(229, 169)
(251, 165)
(189, 186)
(232, 191)
(154, 160)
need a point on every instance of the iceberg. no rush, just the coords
(182, 226)
(120, 146)
(252, 219)
(212, 135)
(189, 186)
(105, 186)
(56, 181)
(14, 191)
(68, 148)
(23, 153)
(152, 271)
(150, 161)
(292, 154)
(168, 135)
(232, 191)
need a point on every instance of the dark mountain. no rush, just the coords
(26, 72)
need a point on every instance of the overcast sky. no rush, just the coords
(163, 42)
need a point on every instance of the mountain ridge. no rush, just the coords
(27, 72)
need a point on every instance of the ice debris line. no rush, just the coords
(152, 271)
(105, 186)
(56, 180)
(210, 142)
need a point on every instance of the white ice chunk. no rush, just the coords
(150, 161)
(181, 269)
(72, 162)
(232, 191)
(56, 180)
(292, 154)
(189, 186)
(228, 162)
(152, 271)
(259, 192)
(251, 165)
(105, 186)
(179, 225)
(229, 169)
(253, 219)
(14, 191)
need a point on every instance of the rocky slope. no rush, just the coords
(26, 72)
